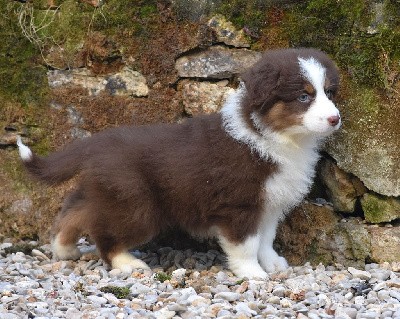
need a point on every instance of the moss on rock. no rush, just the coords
(119, 292)
(360, 42)
(379, 209)
(22, 79)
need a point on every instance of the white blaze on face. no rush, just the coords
(317, 118)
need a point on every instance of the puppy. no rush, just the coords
(231, 175)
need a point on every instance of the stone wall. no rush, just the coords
(73, 68)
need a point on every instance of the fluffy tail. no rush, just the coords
(55, 168)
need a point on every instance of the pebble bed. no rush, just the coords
(188, 284)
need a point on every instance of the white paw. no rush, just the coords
(127, 263)
(272, 262)
(65, 252)
(248, 269)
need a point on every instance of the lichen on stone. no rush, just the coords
(379, 209)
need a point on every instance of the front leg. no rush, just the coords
(242, 257)
(268, 257)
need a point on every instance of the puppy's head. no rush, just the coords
(293, 91)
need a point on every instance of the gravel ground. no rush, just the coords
(187, 284)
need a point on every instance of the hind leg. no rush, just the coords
(118, 222)
(68, 227)
(118, 255)
(127, 263)
(120, 229)
(64, 246)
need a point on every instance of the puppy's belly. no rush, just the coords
(210, 233)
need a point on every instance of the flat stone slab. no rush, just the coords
(126, 82)
(217, 62)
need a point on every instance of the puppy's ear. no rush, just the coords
(261, 82)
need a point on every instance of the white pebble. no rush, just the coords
(286, 303)
(24, 284)
(221, 276)
(178, 274)
(370, 315)
(348, 296)
(139, 288)
(5, 245)
(269, 310)
(383, 295)
(323, 301)
(227, 295)
(363, 275)
(243, 308)
(37, 253)
(345, 312)
(359, 300)
(186, 293)
(115, 272)
(224, 314)
(97, 300)
(164, 313)
(395, 294)
(38, 304)
(279, 291)
(274, 300)
(18, 257)
(380, 286)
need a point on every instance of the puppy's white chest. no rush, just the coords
(287, 187)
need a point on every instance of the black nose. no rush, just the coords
(334, 120)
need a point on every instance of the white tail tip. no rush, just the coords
(24, 151)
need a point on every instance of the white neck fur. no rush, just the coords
(269, 145)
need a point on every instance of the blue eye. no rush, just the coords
(304, 98)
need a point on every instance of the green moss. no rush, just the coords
(162, 276)
(239, 282)
(363, 111)
(251, 14)
(119, 292)
(147, 10)
(16, 173)
(347, 29)
(131, 16)
(22, 79)
(66, 27)
(362, 107)
(379, 209)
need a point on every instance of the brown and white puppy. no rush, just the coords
(233, 175)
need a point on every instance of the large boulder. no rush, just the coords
(369, 142)
(342, 189)
(385, 243)
(317, 234)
